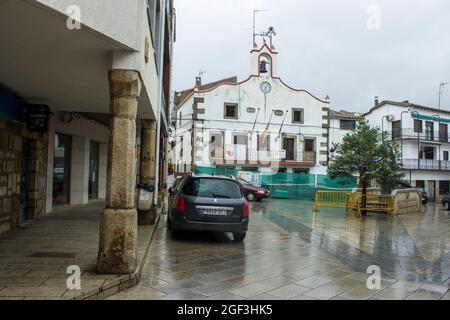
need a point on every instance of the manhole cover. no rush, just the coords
(64, 255)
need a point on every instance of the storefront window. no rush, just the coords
(61, 169)
(93, 170)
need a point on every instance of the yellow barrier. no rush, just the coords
(330, 199)
(353, 202)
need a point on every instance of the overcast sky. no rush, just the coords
(325, 46)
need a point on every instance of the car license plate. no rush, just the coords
(212, 212)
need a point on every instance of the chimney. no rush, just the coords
(377, 101)
(198, 82)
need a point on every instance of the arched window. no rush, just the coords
(265, 63)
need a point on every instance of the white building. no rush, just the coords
(94, 78)
(422, 133)
(253, 124)
(341, 123)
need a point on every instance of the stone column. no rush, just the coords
(147, 166)
(118, 226)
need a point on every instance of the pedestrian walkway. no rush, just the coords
(34, 259)
(292, 253)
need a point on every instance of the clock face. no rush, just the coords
(266, 87)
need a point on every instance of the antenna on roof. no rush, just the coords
(254, 24)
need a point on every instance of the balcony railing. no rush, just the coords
(240, 153)
(426, 164)
(431, 136)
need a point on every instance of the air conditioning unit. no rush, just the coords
(390, 117)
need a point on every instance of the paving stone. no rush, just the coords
(138, 293)
(421, 294)
(32, 292)
(289, 291)
(324, 292)
(264, 296)
(406, 285)
(175, 286)
(392, 294)
(22, 282)
(434, 287)
(13, 273)
(359, 293)
(224, 296)
(314, 281)
(251, 290)
(185, 294)
(302, 297)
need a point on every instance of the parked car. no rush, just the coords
(208, 203)
(422, 192)
(424, 195)
(250, 191)
(446, 202)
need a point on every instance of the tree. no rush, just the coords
(367, 152)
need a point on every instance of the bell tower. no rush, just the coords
(264, 55)
(264, 61)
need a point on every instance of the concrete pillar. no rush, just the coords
(118, 226)
(79, 167)
(148, 166)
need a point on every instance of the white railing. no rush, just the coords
(425, 164)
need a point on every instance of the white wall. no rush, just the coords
(82, 131)
(115, 19)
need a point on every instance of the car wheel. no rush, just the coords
(446, 206)
(250, 196)
(239, 236)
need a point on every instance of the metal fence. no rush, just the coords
(299, 186)
(354, 201)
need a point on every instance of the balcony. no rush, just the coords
(240, 154)
(425, 164)
(429, 136)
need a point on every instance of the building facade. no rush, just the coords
(87, 116)
(341, 123)
(422, 133)
(260, 123)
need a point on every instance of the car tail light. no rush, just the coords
(181, 205)
(246, 210)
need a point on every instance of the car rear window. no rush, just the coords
(212, 188)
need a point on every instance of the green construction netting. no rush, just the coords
(285, 185)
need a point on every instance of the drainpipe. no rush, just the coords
(161, 97)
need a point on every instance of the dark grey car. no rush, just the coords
(208, 203)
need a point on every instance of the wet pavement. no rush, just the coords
(34, 258)
(292, 253)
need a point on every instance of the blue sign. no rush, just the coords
(11, 107)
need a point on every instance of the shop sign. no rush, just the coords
(37, 118)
